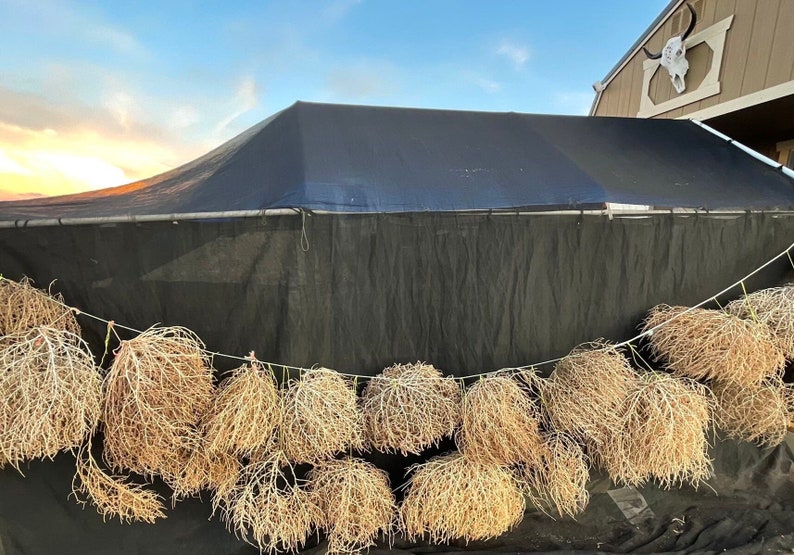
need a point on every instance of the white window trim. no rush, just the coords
(714, 37)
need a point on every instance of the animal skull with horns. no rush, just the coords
(673, 55)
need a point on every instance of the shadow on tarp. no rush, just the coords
(749, 510)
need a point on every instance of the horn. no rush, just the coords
(651, 56)
(692, 21)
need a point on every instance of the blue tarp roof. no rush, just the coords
(374, 159)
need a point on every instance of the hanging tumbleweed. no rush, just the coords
(410, 407)
(452, 497)
(585, 391)
(23, 307)
(499, 423)
(760, 414)
(773, 307)
(111, 495)
(712, 345)
(244, 414)
(159, 386)
(560, 480)
(206, 470)
(50, 394)
(356, 502)
(321, 417)
(268, 506)
(663, 433)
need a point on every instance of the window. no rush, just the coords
(785, 152)
(681, 18)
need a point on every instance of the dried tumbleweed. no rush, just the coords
(50, 394)
(560, 480)
(321, 417)
(23, 307)
(500, 423)
(712, 345)
(663, 433)
(158, 388)
(452, 497)
(268, 506)
(773, 307)
(356, 502)
(410, 407)
(244, 414)
(760, 414)
(584, 393)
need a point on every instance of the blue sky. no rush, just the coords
(99, 93)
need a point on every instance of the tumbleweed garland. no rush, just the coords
(157, 389)
(163, 417)
(410, 407)
(50, 394)
(713, 345)
(321, 417)
(500, 423)
(452, 497)
(356, 501)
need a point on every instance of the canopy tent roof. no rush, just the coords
(343, 158)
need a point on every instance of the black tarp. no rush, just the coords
(466, 292)
(368, 159)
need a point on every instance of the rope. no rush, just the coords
(285, 367)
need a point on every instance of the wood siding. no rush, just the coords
(759, 53)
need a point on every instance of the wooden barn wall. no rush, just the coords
(754, 58)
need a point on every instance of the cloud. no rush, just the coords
(517, 54)
(59, 146)
(362, 81)
(182, 117)
(337, 9)
(487, 85)
(63, 20)
(123, 107)
(573, 102)
(246, 98)
(115, 38)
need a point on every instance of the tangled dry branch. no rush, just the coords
(585, 391)
(756, 413)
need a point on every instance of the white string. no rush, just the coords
(625, 343)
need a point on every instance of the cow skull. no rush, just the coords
(673, 55)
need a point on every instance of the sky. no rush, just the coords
(96, 93)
